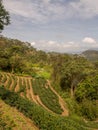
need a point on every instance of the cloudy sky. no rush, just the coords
(54, 25)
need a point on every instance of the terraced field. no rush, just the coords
(36, 90)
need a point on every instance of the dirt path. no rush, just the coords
(61, 102)
(5, 84)
(9, 76)
(32, 93)
(37, 99)
(40, 102)
(2, 78)
(27, 89)
(11, 82)
(17, 86)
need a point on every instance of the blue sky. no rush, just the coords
(54, 25)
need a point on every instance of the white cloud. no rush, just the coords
(66, 47)
(55, 46)
(88, 40)
(89, 43)
(47, 10)
(33, 43)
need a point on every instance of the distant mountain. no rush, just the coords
(91, 55)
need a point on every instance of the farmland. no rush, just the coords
(36, 90)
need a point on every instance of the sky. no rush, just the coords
(66, 26)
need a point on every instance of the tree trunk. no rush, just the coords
(72, 91)
(12, 70)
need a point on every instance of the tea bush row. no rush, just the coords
(42, 119)
(47, 96)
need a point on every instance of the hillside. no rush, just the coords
(13, 119)
(44, 85)
(24, 87)
(91, 55)
(29, 88)
(56, 91)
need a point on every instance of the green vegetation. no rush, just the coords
(10, 118)
(46, 95)
(78, 79)
(4, 124)
(43, 119)
(22, 87)
(73, 77)
(3, 78)
(4, 17)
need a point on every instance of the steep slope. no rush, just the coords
(91, 55)
(14, 119)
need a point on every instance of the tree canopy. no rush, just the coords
(4, 17)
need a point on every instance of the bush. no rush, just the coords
(89, 109)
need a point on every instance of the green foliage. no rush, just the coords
(3, 63)
(22, 87)
(44, 74)
(4, 78)
(4, 16)
(87, 89)
(72, 105)
(46, 95)
(19, 57)
(72, 74)
(4, 125)
(89, 109)
(43, 119)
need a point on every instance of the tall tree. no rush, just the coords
(73, 73)
(4, 17)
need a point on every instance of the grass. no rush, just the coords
(44, 71)
(44, 74)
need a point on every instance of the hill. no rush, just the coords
(11, 118)
(91, 55)
(55, 91)
(42, 118)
